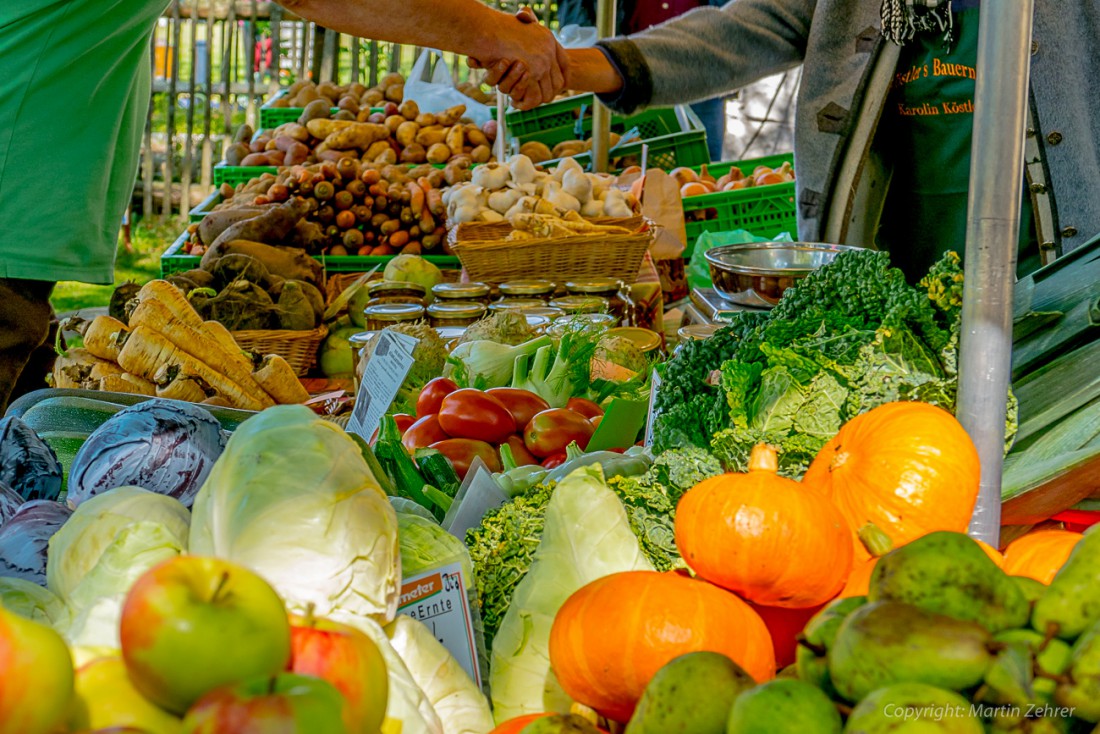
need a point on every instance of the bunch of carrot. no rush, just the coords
(167, 350)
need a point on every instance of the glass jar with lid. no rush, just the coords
(381, 315)
(573, 305)
(517, 304)
(647, 340)
(455, 313)
(526, 289)
(589, 322)
(694, 332)
(449, 292)
(395, 291)
(607, 288)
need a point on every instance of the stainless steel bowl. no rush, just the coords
(756, 273)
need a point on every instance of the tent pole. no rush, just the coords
(601, 116)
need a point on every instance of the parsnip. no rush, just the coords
(98, 335)
(73, 368)
(104, 369)
(145, 351)
(129, 384)
(217, 331)
(277, 377)
(172, 384)
(163, 292)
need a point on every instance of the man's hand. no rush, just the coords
(526, 63)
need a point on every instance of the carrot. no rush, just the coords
(145, 351)
(399, 239)
(434, 199)
(97, 337)
(171, 298)
(277, 378)
(416, 200)
(199, 344)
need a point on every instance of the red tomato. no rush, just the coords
(432, 396)
(552, 430)
(522, 404)
(463, 451)
(520, 453)
(555, 460)
(424, 432)
(403, 420)
(585, 407)
(474, 414)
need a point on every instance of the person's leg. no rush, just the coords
(24, 327)
(712, 113)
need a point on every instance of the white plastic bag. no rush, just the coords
(434, 91)
(576, 36)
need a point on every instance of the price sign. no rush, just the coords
(654, 386)
(438, 600)
(382, 377)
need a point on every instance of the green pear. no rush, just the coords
(1014, 720)
(913, 708)
(887, 642)
(691, 694)
(561, 724)
(1071, 604)
(1031, 588)
(784, 706)
(948, 573)
(817, 638)
(1080, 690)
(1049, 660)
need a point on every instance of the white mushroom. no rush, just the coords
(502, 201)
(522, 169)
(567, 164)
(577, 184)
(593, 208)
(490, 216)
(491, 176)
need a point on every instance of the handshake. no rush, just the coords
(525, 61)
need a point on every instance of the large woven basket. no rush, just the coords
(298, 348)
(489, 256)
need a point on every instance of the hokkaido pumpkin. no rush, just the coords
(909, 468)
(519, 723)
(859, 580)
(612, 635)
(767, 538)
(1039, 554)
(784, 626)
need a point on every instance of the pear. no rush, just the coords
(1080, 690)
(913, 708)
(784, 706)
(886, 642)
(691, 694)
(1071, 604)
(817, 638)
(948, 573)
(561, 724)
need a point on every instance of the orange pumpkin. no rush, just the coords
(994, 555)
(1039, 554)
(909, 468)
(767, 538)
(611, 636)
(519, 723)
(784, 626)
(859, 580)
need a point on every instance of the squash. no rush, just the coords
(994, 555)
(784, 626)
(766, 538)
(908, 468)
(612, 635)
(519, 723)
(1039, 554)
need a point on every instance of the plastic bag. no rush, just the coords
(435, 91)
(577, 36)
(698, 272)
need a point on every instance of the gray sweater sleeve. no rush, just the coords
(708, 51)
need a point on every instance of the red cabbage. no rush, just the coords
(164, 446)
(25, 537)
(10, 501)
(27, 463)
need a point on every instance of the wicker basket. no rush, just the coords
(298, 348)
(489, 256)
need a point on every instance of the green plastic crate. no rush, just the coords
(650, 124)
(766, 211)
(236, 175)
(205, 206)
(174, 260)
(687, 148)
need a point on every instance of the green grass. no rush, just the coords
(140, 265)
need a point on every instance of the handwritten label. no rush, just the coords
(654, 386)
(437, 599)
(382, 378)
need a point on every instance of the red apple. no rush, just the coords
(285, 704)
(192, 624)
(106, 699)
(36, 677)
(349, 660)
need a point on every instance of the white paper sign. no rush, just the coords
(438, 600)
(382, 377)
(478, 494)
(654, 386)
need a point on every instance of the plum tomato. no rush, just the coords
(522, 404)
(585, 407)
(424, 432)
(431, 397)
(462, 451)
(552, 430)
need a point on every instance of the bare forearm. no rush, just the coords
(462, 26)
(590, 71)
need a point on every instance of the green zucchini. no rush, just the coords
(438, 471)
(69, 415)
(65, 444)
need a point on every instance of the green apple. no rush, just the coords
(36, 677)
(349, 660)
(192, 624)
(105, 698)
(284, 704)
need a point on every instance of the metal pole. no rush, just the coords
(993, 224)
(601, 116)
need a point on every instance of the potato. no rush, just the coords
(429, 136)
(393, 122)
(356, 90)
(344, 115)
(406, 134)
(409, 110)
(305, 96)
(236, 153)
(297, 86)
(377, 149)
(451, 115)
(373, 98)
(439, 153)
(254, 159)
(414, 153)
(536, 151)
(559, 151)
(281, 103)
(351, 104)
(395, 92)
(334, 155)
(475, 137)
(315, 110)
(456, 139)
(392, 78)
(330, 90)
(321, 129)
(482, 154)
(357, 135)
(296, 154)
(389, 156)
(426, 119)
